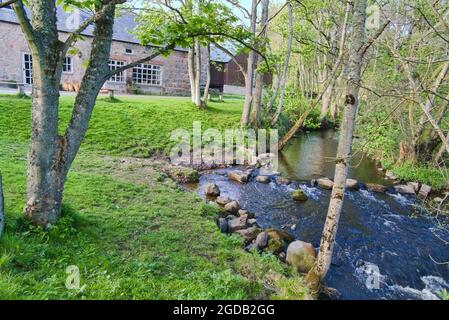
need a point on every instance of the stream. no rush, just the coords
(386, 237)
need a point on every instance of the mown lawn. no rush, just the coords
(131, 231)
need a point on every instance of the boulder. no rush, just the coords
(239, 176)
(248, 234)
(182, 174)
(372, 187)
(280, 234)
(223, 225)
(222, 201)
(404, 189)
(325, 183)
(237, 224)
(261, 240)
(252, 222)
(414, 185)
(390, 175)
(242, 212)
(263, 179)
(352, 184)
(211, 190)
(282, 180)
(232, 207)
(275, 246)
(299, 195)
(301, 255)
(425, 191)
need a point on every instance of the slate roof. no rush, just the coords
(123, 26)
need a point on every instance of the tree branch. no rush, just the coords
(86, 23)
(7, 3)
(24, 22)
(156, 53)
(371, 40)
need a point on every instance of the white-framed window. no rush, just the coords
(27, 68)
(128, 51)
(113, 65)
(147, 74)
(67, 66)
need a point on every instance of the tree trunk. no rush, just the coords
(197, 74)
(440, 152)
(191, 69)
(258, 90)
(322, 264)
(327, 97)
(50, 155)
(208, 77)
(249, 79)
(2, 208)
(44, 183)
(283, 142)
(284, 75)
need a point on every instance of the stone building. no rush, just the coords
(162, 75)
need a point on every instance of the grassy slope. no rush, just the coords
(131, 232)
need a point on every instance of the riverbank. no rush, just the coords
(128, 228)
(388, 246)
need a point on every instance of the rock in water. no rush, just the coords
(263, 179)
(252, 222)
(376, 188)
(211, 190)
(248, 234)
(232, 207)
(275, 246)
(278, 240)
(299, 195)
(262, 240)
(223, 225)
(222, 201)
(425, 191)
(239, 176)
(414, 185)
(237, 224)
(246, 213)
(282, 181)
(404, 189)
(301, 255)
(352, 184)
(325, 183)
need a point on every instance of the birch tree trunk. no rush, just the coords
(327, 97)
(197, 74)
(249, 79)
(208, 77)
(283, 80)
(258, 89)
(322, 264)
(299, 123)
(191, 69)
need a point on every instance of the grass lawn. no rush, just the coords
(132, 232)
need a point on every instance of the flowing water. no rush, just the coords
(387, 247)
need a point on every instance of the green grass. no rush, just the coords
(132, 233)
(433, 176)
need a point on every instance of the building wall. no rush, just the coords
(175, 78)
